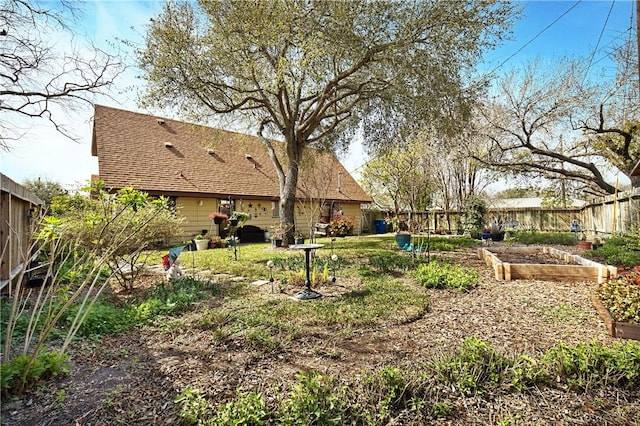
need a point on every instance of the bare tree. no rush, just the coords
(528, 124)
(38, 81)
(613, 126)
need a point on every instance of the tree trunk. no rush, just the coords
(288, 190)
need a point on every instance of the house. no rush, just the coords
(205, 170)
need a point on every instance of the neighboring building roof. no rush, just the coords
(163, 156)
(636, 170)
(527, 203)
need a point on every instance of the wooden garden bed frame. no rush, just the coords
(581, 269)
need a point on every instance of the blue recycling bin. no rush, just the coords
(381, 226)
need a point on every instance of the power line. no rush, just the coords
(536, 36)
(599, 39)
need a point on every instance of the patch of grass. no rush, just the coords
(475, 367)
(443, 409)
(437, 274)
(269, 326)
(104, 317)
(564, 313)
(249, 408)
(388, 262)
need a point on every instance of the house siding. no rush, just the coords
(196, 210)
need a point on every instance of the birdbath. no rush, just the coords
(307, 293)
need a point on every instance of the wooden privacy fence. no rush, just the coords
(614, 214)
(17, 207)
(605, 216)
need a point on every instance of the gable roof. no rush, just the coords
(169, 157)
(636, 170)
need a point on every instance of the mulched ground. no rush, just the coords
(134, 378)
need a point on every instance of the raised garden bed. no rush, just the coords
(624, 330)
(543, 263)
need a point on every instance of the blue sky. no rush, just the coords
(43, 153)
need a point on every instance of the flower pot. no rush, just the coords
(276, 242)
(202, 244)
(403, 240)
(498, 236)
(298, 241)
(233, 222)
(584, 245)
(218, 220)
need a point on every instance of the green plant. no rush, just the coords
(22, 371)
(536, 237)
(390, 262)
(443, 409)
(312, 400)
(619, 251)
(194, 407)
(475, 367)
(118, 226)
(249, 408)
(437, 274)
(591, 364)
(475, 211)
(621, 296)
(241, 217)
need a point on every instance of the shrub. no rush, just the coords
(535, 237)
(341, 226)
(619, 251)
(444, 275)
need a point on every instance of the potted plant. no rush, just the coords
(202, 241)
(239, 219)
(218, 217)
(277, 232)
(403, 236)
(496, 229)
(583, 244)
(216, 242)
(298, 238)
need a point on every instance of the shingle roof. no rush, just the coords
(132, 150)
